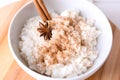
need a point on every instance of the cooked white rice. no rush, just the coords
(73, 34)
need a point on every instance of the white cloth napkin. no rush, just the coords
(6, 2)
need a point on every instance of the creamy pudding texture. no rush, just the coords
(71, 51)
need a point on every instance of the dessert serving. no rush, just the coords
(70, 43)
(67, 49)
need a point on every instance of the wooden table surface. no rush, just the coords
(9, 70)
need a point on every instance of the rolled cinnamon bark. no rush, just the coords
(40, 10)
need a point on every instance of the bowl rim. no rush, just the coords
(29, 71)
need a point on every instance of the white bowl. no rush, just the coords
(87, 9)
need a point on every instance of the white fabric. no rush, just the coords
(6, 2)
(111, 9)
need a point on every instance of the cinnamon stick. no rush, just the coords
(40, 10)
(44, 9)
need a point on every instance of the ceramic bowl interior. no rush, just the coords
(87, 9)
